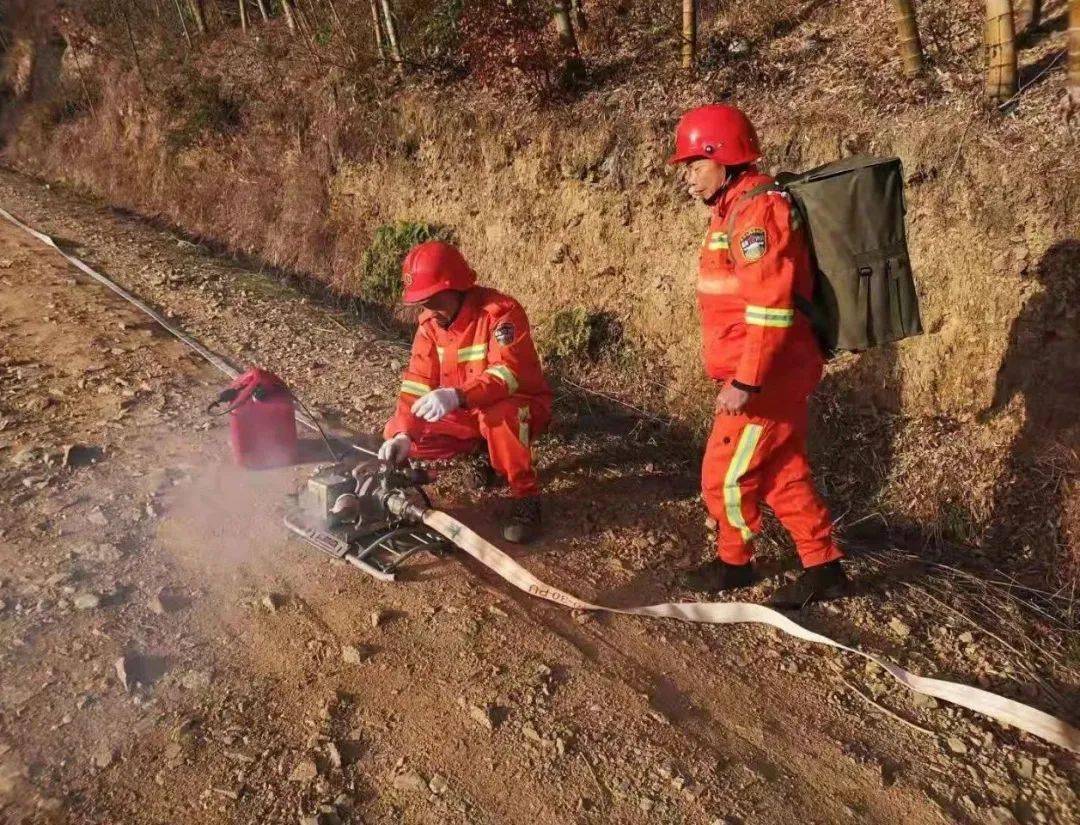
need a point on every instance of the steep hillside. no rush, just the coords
(550, 172)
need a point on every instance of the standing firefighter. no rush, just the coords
(754, 268)
(473, 377)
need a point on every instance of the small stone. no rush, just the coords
(921, 700)
(899, 628)
(333, 753)
(1025, 768)
(377, 617)
(482, 716)
(966, 637)
(438, 784)
(352, 655)
(410, 781)
(956, 745)
(104, 757)
(305, 771)
(87, 601)
(97, 518)
(273, 602)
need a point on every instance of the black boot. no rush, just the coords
(480, 475)
(816, 584)
(717, 576)
(522, 525)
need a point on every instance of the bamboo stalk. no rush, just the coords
(564, 26)
(392, 34)
(909, 44)
(262, 10)
(1000, 50)
(243, 16)
(377, 26)
(290, 21)
(689, 35)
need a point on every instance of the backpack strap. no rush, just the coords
(802, 304)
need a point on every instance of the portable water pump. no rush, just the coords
(370, 515)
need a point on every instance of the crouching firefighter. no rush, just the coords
(754, 271)
(473, 380)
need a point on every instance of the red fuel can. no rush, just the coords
(262, 420)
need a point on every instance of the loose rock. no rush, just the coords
(352, 655)
(410, 781)
(87, 601)
(305, 771)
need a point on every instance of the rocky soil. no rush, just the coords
(168, 654)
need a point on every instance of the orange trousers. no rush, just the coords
(508, 427)
(753, 458)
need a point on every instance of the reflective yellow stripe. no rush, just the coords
(739, 463)
(414, 388)
(523, 425)
(769, 316)
(724, 285)
(718, 240)
(506, 374)
(477, 352)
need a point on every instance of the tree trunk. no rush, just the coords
(262, 10)
(1028, 15)
(1000, 50)
(564, 26)
(1073, 77)
(909, 44)
(392, 35)
(689, 34)
(243, 15)
(377, 26)
(290, 21)
(196, 7)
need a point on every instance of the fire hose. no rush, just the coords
(999, 708)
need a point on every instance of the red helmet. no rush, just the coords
(718, 132)
(432, 267)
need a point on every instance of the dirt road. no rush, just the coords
(168, 654)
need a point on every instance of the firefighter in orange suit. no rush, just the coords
(473, 378)
(754, 273)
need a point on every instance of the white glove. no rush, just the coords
(436, 404)
(396, 450)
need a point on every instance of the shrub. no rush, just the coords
(578, 333)
(380, 268)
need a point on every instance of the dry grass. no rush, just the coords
(296, 152)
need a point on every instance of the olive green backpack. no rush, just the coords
(864, 290)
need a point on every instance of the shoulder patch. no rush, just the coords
(753, 244)
(505, 333)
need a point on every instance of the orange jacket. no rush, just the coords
(754, 260)
(487, 353)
